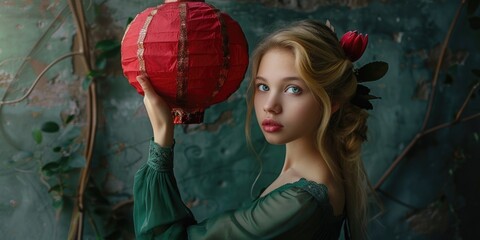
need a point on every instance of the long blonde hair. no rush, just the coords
(322, 64)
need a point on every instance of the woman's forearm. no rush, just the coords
(163, 134)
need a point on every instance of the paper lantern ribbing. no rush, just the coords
(194, 55)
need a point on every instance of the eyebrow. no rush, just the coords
(284, 79)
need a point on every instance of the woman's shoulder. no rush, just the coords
(301, 197)
(334, 192)
(311, 192)
(303, 189)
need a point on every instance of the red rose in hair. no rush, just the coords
(354, 44)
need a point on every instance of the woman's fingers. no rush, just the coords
(146, 85)
(150, 95)
(158, 112)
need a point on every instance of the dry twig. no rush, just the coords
(423, 130)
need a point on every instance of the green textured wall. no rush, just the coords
(213, 165)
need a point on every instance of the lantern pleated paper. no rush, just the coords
(194, 55)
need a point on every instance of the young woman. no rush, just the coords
(301, 89)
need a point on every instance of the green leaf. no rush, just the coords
(89, 78)
(69, 118)
(107, 45)
(51, 168)
(472, 6)
(110, 53)
(474, 22)
(37, 136)
(101, 63)
(372, 71)
(86, 83)
(57, 203)
(476, 72)
(63, 162)
(94, 73)
(57, 188)
(129, 20)
(50, 127)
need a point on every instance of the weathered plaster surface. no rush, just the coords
(214, 166)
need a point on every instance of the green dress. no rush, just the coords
(299, 210)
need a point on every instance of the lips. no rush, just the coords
(270, 126)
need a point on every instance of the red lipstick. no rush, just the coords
(271, 126)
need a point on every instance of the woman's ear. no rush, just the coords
(335, 107)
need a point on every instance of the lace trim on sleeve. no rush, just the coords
(160, 158)
(318, 191)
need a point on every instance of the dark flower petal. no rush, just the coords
(362, 90)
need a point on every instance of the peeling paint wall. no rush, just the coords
(43, 31)
(213, 164)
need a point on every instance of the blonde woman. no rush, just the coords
(301, 90)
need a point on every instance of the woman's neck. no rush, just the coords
(301, 154)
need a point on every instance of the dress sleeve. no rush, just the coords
(159, 212)
(270, 217)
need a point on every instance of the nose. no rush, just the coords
(273, 104)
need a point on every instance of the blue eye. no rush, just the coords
(293, 90)
(263, 87)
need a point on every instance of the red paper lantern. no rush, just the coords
(193, 54)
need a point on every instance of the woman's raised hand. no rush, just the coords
(159, 114)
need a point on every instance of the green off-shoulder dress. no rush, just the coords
(299, 210)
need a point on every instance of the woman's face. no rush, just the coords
(285, 108)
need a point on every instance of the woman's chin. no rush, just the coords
(274, 140)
